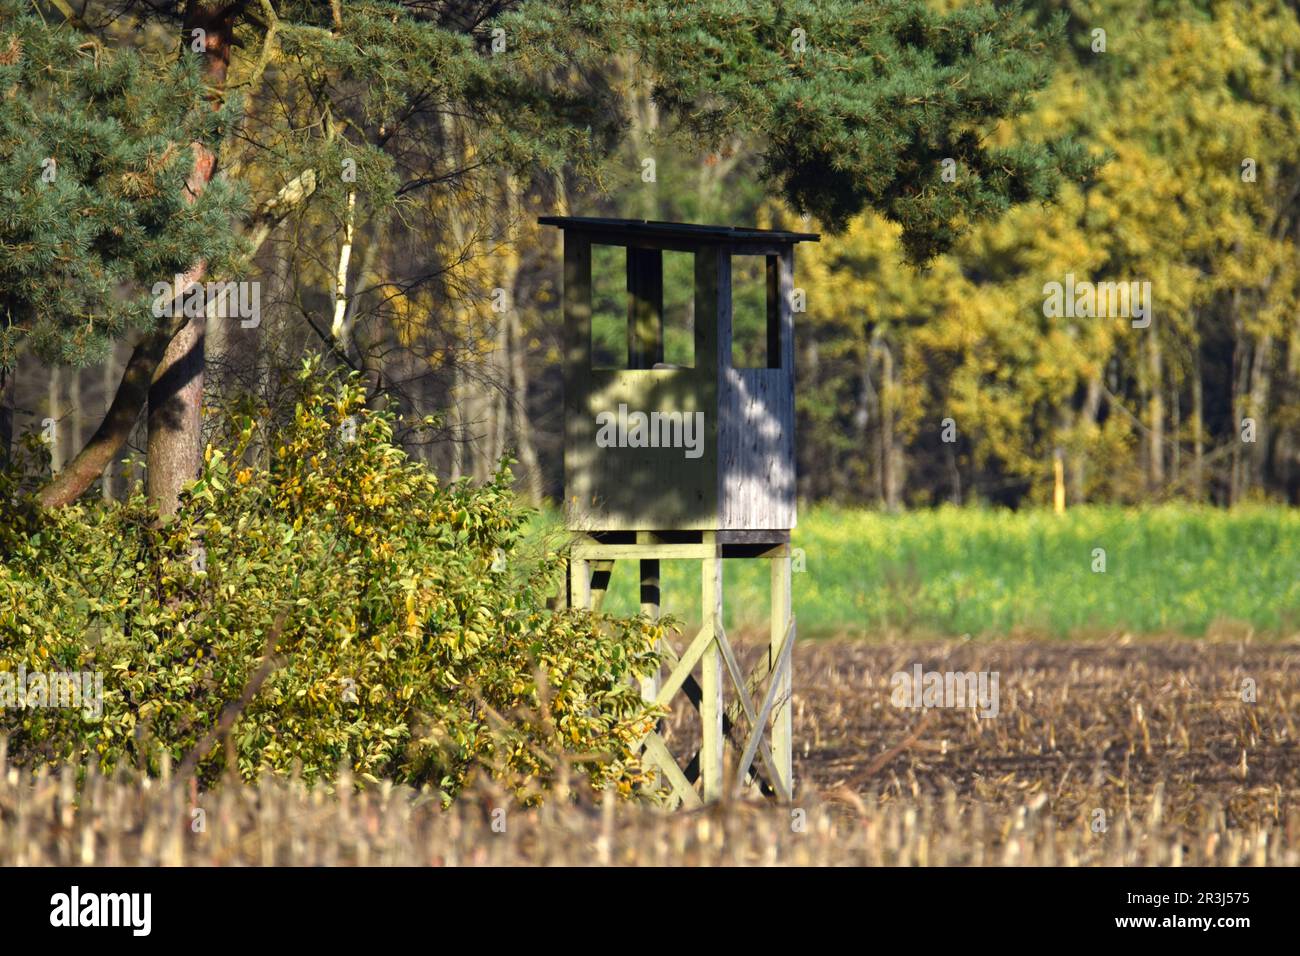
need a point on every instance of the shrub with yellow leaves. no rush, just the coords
(414, 641)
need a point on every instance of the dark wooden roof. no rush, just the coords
(611, 230)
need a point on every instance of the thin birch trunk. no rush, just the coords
(54, 411)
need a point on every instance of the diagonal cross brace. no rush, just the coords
(658, 753)
(756, 728)
(770, 699)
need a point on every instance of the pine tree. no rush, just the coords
(95, 150)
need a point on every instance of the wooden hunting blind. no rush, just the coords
(688, 461)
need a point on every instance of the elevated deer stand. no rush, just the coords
(645, 498)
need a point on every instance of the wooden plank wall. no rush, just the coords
(756, 487)
(756, 470)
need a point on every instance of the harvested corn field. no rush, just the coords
(1099, 754)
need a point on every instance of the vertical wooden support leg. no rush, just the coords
(711, 709)
(782, 630)
(579, 583)
(650, 608)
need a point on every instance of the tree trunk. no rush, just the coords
(174, 452)
(1198, 428)
(113, 432)
(340, 328)
(110, 368)
(644, 123)
(73, 410)
(862, 418)
(891, 448)
(523, 429)
(1176, 428)
(1238, 397)
(175, 444)
(1085, 424)
(1261, 380)
(454, 419)
(54, 409)
(498, 392)
(1155, 414)
(7, 377)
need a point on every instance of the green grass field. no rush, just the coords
(1169, 569)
